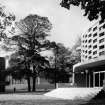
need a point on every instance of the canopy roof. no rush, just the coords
(91, 64)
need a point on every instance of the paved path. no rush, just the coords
(4, 97)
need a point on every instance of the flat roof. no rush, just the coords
(93, 63)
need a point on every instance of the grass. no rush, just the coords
(52, 102)
(41, 102)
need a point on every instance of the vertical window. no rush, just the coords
(95, 52)
(102, 53)
(101, 47)
(89, 46)
(90, 40)
(95, 40)
(101, 34)
(90, 52)
(89, 29)
(89, 35)
(94, 34)
(94, 28)
(95, 46)
(101, 40)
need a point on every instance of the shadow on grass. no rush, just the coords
(99, 99)
(24, 92)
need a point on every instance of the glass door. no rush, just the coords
(96, 79)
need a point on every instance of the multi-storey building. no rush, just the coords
(93, 42)
(91, 71)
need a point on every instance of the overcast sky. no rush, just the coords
(67, 24)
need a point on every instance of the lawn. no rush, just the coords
(40, 102)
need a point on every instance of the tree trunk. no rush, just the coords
(29, 85)
(34, 84)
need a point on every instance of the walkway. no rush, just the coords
(6, 97)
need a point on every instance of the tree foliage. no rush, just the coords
(93, 8)
(59, 71)
(6, 26)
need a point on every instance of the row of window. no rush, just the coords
(90, 40)
(94, 29)
(95, 52)
(95, 46)
(95, 40)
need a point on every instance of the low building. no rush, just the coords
(3, 81)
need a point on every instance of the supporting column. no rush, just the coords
(93, 79)
(99, 79)
(73, 78)
(73, 81)
(86, 77)
(89, 80)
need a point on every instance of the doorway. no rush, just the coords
(98, 78)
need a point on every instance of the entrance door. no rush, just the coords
(101, 78)
(98, 78)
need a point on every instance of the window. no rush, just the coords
(86, 51)
(95, 52)
(102, 53)
(101, 34)
(95, 46)
(100, 28)
(101, 47)
(101, 40)
(85, 56)
(94, 28)
(89, 40)
(89, 29)
(95, 40)
(86, 46)
(90, 46)
(85, 41)
(94, 34)
(89, 35)
(85, 36)
(90, 52)
(90, 57)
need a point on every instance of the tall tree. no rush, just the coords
(93, 8)
(59, 64)
(31, 41)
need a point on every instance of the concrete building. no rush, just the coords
(90, 72)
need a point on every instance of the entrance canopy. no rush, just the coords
(91, 64)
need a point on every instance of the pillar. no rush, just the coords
(86, 77)
(89, 80)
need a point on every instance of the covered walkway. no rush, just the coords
(90, 73)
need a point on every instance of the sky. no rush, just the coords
(67, 24)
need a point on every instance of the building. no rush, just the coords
(3, 81)
(90, 72)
